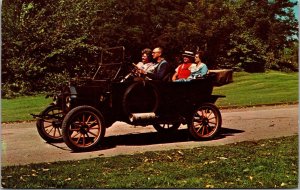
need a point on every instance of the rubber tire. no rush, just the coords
(160, 129)
(218, 125)
(69, 119)
(41, 129)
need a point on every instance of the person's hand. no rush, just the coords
(142, 71)
(174, 77)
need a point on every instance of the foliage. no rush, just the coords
(45, 38)
(270, 163)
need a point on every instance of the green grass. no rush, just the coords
(271, 163)
(259, 89)
(246, 90)
(19, 109)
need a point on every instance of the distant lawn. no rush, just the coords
(270, 163)
(19, 109)
(259, 89)
(246, 90)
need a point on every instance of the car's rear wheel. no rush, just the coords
(83, 128)
(166, 127)
(206, 122)
(49, 126)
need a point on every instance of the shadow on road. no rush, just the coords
(151, 138)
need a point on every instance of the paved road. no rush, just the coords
(21, 143)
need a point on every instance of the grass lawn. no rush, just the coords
(246, 90)
(19, 109)
(271, 163)
(259, 89)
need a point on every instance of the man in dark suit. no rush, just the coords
(161, 69)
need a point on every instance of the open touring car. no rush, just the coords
(81, 111)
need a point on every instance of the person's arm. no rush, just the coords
(203, 70)
(193, 68)
(139, 65)
(174, 77)
(149, 70)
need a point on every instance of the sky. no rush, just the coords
(296, 10)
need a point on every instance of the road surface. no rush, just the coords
(21, 143)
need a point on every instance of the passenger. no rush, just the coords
(183, 70)
(161, 66)
(198, 70)
(146, 65)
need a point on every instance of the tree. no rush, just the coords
(53, 40)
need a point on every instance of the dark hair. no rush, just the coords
(148, 52)
(201, 54)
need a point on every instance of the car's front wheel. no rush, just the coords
(83, 128)
(49, 126)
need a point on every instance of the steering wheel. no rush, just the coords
(135, 73)
(141, 74)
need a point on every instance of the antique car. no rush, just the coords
(81, 111)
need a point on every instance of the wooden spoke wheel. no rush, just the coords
(83, 128)
(166, 127)
(206, 122)
(49, 127)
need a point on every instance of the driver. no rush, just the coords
(146, 65)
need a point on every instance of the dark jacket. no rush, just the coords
(160, 71)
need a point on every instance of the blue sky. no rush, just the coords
(296, 10)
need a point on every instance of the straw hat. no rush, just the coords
(188, 54)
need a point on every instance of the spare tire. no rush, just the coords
(140, 97)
